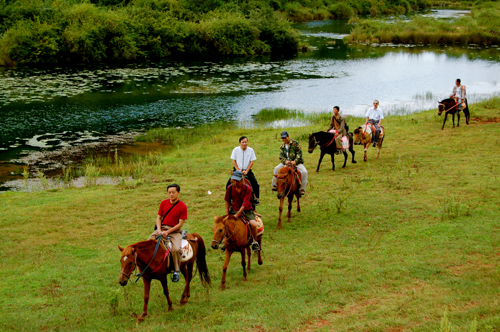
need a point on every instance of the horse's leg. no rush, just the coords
(164, 284)
(345, 158)
(320, 159)
(281, 211)
(259, 240)
(453, 119)
(445, 117)
(458, 119)
(365, 146)
(298, 202)
(224, 268)
(351, 149)
(467, 113)
(333, 160)
(289, 214)
(249, 257)
(147, 287)
(243, 265)
(187, 271)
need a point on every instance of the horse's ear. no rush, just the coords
(121, 249)
(215, 217)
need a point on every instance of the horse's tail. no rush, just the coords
(201, 263)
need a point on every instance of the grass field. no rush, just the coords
(408, 242)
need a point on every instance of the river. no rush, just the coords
(54, 108)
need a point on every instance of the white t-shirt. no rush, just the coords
(458, 91)
(243, 158)
(375, 114)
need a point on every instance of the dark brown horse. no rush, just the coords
(141, 254)
(364, 135)
(450, 106)
(287, 186)
(237, 236)
(326, 141)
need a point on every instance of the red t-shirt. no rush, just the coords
(237, 201)
(178, 212)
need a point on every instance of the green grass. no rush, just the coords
(408, 242)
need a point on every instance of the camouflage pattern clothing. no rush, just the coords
(294, 152)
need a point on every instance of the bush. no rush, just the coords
(341, 10)
(31, 42)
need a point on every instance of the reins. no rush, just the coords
(158, 240)
(446, 111)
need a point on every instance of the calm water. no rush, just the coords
(60, 107)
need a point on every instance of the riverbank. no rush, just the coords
(479, 28)
(406, 242)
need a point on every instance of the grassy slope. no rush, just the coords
(393, 260)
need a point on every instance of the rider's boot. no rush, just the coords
(255, 244)
(175, 276)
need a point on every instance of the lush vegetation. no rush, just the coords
(50, 32)
(406, 242)
(481, 27)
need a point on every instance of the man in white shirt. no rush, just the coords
(458, 93)
(375, 115)
(243, 157)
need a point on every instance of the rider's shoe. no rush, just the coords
(175, 277)
(256, 202)
(302, 192)
(255, 246)
(375, 144)
(274, 188)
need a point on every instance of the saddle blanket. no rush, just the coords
(186, 250)
(260, 225)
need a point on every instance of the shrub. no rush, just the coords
(341, 10)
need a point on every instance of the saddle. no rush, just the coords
(186, 250)
(371, 130)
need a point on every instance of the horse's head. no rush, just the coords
(219, 229)
(312, 143)
(445, 104)
(282, 183)
(358, 135)
(128, 263)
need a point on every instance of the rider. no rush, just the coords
(291, 155)
(243, 157)
(458, 93)
(171, 217)
(375, 115)
(337, 122)
(238, 203)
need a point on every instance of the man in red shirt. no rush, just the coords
(237, 198)
(171, 217)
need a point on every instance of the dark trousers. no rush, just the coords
(377, 129)
(253, 183)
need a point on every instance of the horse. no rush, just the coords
(141, 255)
(287, 186)
(237, 237)
(450, 106)
(326, 141)
(363, 136)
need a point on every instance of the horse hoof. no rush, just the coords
(354, 162)
(343, 166)
(222, 287)
(140, 319)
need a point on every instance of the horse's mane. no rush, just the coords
(447, 100)
(139, 246)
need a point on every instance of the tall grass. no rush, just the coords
(479, 28)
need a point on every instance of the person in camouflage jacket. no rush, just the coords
(291, 155)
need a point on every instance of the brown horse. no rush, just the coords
(363, 136)
(237, 236)
(287, 186)
(141, 254)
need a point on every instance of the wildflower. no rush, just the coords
(209, 192)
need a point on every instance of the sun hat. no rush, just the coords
(237, 175)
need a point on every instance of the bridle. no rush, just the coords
(133, 270)
(292, 182)
(226, 231)
(446, 111)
